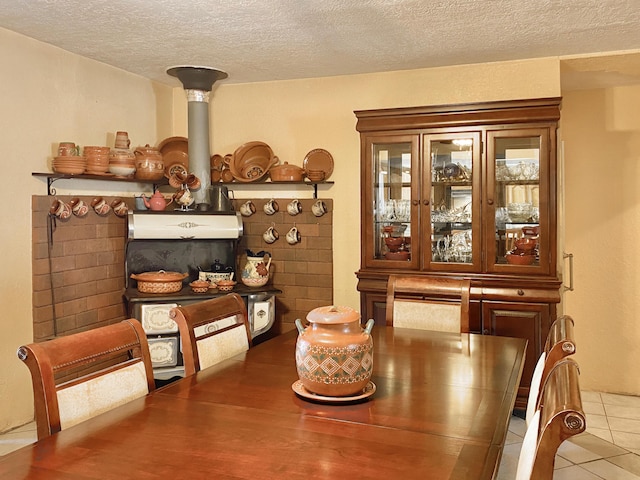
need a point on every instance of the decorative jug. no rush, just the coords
(255, 272)
(157, 202)
(334, 354)
(149, 163)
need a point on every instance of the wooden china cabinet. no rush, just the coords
(465, 191)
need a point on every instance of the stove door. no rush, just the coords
(261, 308)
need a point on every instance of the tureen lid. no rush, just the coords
(333, 314)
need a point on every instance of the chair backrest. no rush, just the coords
(428, 303)
(82, 375)
(560, 417)
(559, 344)
(212, 331)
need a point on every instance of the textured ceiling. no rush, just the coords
(262, 40)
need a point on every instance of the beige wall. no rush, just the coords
(601, 133)
(48, 96)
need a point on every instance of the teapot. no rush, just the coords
(157, 202)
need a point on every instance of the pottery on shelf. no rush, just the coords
(255, 272)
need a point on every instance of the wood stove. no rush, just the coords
(190, 243)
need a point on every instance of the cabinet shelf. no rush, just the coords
(52, 177)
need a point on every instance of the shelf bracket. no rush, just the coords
(50, 189)
(315, 190)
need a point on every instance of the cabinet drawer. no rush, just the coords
(524, 294)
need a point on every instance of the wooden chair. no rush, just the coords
(82, 375)
(428, 303)
(560, 343)
(560, 417)
(212, 331)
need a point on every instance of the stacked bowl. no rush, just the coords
(97, 160)
(69, 164)
(315, 175)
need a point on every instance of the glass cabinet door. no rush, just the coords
(391, 211)
(451, 201)
(518, 165)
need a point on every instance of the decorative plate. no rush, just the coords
(319, 159)
(300, 389)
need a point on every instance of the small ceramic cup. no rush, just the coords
(294, 207)
(270, 207)
(122, 140)
(293, 236)
(270, 235)
(78, 207)
(100, 206)
(247, 208)
(60, 209)
(120, 207)
(66, 149)
(319, 208)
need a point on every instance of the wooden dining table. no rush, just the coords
(440, 410)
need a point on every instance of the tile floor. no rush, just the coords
(608, 450)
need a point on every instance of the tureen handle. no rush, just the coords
(369, 326)
(299, 325)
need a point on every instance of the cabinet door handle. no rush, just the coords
(425, 202)
(485, 331)
(570, 257)
(415, 203)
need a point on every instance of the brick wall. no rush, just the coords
(304, 271)
(87, 265)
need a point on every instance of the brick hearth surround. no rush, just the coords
(86, 261)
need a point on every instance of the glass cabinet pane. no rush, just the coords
(451, 198)
(517, 200)
(392, 200)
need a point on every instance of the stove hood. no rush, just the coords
(147, 225)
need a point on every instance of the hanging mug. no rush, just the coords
(270, 235)
(319, 208)
(100, 206)
(247, 208)
(60, 209)
(120, 208)
(270, 207)
(293, 236)
(294, 207)
(78, 207)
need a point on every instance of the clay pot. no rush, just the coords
(149, 164)
(159, 282)
(334, 355)
(286, 173)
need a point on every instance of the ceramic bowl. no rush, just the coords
(402, 255)
(200, 286)
(121, 170)
(515, 259)
(526, 244)
(225, 285)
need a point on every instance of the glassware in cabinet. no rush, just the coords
(453, 208)
(517, 185)
(390, 213)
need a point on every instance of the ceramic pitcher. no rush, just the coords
(255, 272)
